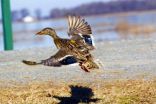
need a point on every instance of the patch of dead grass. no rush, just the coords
(110, 92)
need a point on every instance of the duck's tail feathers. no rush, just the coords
(31, 62)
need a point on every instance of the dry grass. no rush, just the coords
(124, 28)
(113, 92)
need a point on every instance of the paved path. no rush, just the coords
(121, 59)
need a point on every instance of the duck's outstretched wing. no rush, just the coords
(78, 26)
(60, 58)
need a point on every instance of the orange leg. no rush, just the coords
(83, 67)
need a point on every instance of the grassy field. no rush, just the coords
(112, 92)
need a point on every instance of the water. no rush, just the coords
(105, 28)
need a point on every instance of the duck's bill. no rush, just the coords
(39, 33)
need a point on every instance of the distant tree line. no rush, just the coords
(105, 7)
(93, 8)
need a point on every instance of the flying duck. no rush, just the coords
(73, 50)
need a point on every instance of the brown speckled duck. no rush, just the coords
(73, 50)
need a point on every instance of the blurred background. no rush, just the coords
(111, 20)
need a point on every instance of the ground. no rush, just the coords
(127, 76)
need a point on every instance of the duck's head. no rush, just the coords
(47, 31)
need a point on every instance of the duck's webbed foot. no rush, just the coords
(88, 65)
(51, 62)
(83, 67)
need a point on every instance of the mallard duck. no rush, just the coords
(71, 50)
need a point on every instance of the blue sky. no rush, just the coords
(46, 5)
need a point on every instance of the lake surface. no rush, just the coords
(105, 28)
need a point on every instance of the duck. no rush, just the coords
(76, 49)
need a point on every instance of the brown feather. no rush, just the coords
(78, 25)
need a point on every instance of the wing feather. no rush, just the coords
(61, 54)
(77, 26)
(77, 22)
(60, 58)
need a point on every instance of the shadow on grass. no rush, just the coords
(78, 94)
